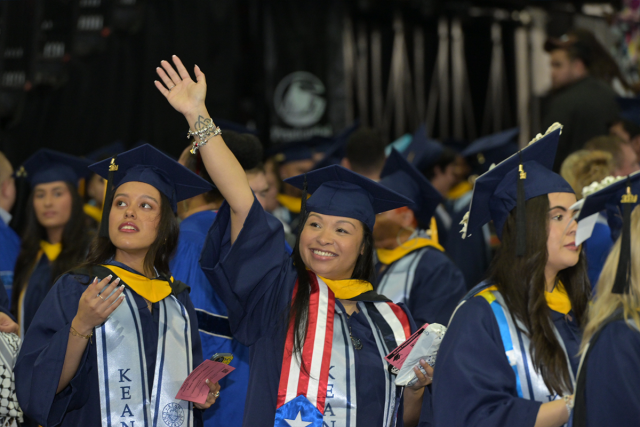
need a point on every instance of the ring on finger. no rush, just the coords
(171, 87)
(217, 394)
(100, 296)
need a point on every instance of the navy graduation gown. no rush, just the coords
(438, 286)
(9, 250)
(473, 382)
(255, 277)
(41, 357)
(37, 289)
(613, 377)
(213, 322)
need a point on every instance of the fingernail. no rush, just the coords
(117, 281)
(206, 381)
(110, 276)
(121, 296)
(95, 280)
(423, 361)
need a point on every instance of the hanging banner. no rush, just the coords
(301, 41)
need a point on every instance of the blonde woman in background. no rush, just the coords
(607, 391)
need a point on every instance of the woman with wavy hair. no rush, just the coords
(509, 355)
(55, 237)
(318, 331)
(607, 390)
(116, 337)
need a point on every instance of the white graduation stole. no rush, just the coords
(125, 398)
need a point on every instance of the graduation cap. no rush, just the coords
(336, 152)
(50, 165)
(494, 148)
(337, 191)
(149, 165)
(630, 109)
(423, 151)
(618, 199)
(400, 176)
(521, 177)
(298, 150)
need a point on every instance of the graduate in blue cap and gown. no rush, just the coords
(412, 267)
(607, 386)
(474, 254)
(318, 331)
(116, 337)
(436, 162)
(55, 236)
(509, 356)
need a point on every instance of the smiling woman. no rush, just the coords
(318, 331)
(145, 327)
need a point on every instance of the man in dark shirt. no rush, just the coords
(584, 104)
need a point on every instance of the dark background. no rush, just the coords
(100, 88)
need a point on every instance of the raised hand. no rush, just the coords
(181, 91)
(96, 304)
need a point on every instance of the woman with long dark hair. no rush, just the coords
(317, 330)
(116, 337)
(510, 354)
(54, 238)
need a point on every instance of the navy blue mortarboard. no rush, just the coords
(50, 165)
(630, 109)
(618, 199)
(106, 151)
(149, 165)
(400, 176)
(298, 150)
(493, 148)
(337, 191)
(423, 151)
(521, 177)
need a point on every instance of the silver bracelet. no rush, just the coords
(203, 139)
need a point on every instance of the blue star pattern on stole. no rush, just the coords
(298, 412)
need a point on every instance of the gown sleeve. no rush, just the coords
(613, 378)
(474, 385)
(438, 287)
(41, 358)
(254, 276)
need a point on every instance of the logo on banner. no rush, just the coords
(173, 415)
(299, 99)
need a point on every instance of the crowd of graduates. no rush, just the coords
(313, 260)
